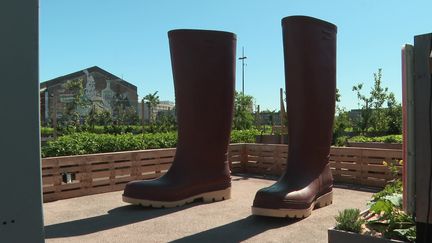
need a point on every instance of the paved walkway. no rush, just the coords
(105, 218)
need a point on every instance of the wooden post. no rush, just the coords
(135, 166)
(361, 162)
(422, 125)
(258, 118)
(54, 114)
(244, 157)
(142, 115)
(408, 154)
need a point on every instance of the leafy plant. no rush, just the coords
(341, 141)
(394, 187)
(381, 139)
(349, 220)
(88, 143)
(46, 131)
(152, 100)
(375, 117)
(385, 217)
(244, 136)
(120, 140)
(341, 124)
(390, 220)
(243, 118)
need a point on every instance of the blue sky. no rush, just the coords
(129, 39)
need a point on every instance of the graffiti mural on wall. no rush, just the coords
(100, 90)
(106, 99)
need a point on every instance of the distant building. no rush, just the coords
(102, 91)
(355, 114)
(163, 108)
(268, 118)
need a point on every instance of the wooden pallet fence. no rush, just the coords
(98, 173)
(265, 158)
(236, 154)
(363, 166)
(106, 172)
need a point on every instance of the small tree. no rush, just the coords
(374, 116)
(128, 116)
(243, 118)
(341, 123)
(362, 124)
(152, 100)
(104, 118)
(394, 115)
(166, 122)
(337, 95)
(75, 87)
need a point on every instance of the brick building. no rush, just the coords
(102, 91)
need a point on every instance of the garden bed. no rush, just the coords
(341, 236)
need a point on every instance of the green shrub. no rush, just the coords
(391, 221)
(382, 139)
(46, 131)
(244, 136)
(88, 143)
(341, 141)
(349, 220)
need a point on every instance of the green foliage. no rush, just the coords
(382, 139)
(385, 215)
(165, 122)
(394, 115)
(243, 118)
(374, 117)
(88, 143)
(244, 136)
(341, 141)
(46, 131)
(342, 123)
(392, 188)
(338, 95)
(98, 117)
(390, 219)
(71, 116)
(127, 116)
(103, 118)
(152, 100)
(349, 220)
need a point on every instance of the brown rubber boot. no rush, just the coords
(203, 65)
(310, 79)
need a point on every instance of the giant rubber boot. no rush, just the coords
(203, 64)
(310, 79)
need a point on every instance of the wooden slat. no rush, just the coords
(351, 166)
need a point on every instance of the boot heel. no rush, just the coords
(217, 195)
(325, 200)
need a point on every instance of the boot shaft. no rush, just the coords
(310, 79)
(203, 64)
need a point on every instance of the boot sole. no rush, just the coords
(321, 201)
(207, 197)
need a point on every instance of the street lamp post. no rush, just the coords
(242, 58)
